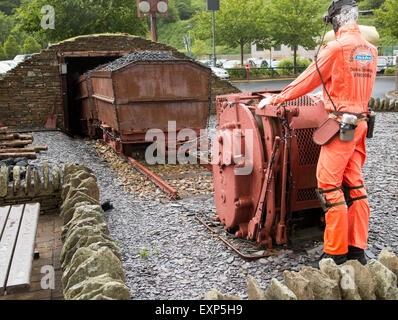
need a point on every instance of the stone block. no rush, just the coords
(83, 212)
(390, 260)
(75, 180)
(68, 204)
(81, 255)
(278, 291)
(299, 285)
(322, 286)
(102, 287)
(77, 239)
(101, 262)
(349, 289)
(254, 291)
(88, 222)
(213, 294)
(386, 288)
(56, 173)
(46, 176)
(329, 267)
(16, 173)
(3, 181)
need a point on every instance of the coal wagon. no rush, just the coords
(149, 90)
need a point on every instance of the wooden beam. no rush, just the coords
(21, 266)
(9, 136)
(28, 155)
(8, 241)
(27, 149)
(15, 143)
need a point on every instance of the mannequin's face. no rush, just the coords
(346, 15)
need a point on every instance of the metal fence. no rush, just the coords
(263, 73)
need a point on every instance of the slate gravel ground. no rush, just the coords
(168, 254)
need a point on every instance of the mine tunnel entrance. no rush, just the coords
(73, 65)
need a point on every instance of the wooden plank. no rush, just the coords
(21, 266)
(7, 242)
(3, 218)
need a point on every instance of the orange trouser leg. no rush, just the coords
(337, 161)
(359, 211)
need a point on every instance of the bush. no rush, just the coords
(11, 48)
(31, 46)
(237, 73)
(286, 66)
(390, 70)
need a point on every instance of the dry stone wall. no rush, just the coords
(383, 104)
(90, 259)
(27, 185)
(349, 281)
(28, 91)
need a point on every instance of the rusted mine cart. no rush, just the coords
(132, 98)
(87, 111)
(264, 165)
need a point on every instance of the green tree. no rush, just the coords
(238, 23)
(31, 45)
(201, 48)
(8, 6)
(11, 47)
(185, 9)
(295, 23)
(387, 16)
(7, 23)
(80, 17)
(2, 54)
(370, 4)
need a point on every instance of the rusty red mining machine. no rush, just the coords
(280, 189)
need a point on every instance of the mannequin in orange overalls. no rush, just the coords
(348, 67)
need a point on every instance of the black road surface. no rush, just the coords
(382, 85)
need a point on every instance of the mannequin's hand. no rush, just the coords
(264, 102)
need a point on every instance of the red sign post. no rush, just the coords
(247, 71)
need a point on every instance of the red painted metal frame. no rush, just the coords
(289, 155)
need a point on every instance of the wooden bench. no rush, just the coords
(18, 225)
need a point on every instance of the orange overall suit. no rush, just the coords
(348, 67)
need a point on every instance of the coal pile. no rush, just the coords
(137, 56)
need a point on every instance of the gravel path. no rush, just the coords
(167, 254)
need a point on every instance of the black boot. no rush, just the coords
(355, 253)
(338, 259)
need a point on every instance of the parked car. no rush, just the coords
(256, 61)
(270, 64)
(3, 68)
(209, 63)
(231, 64)
(220, 72)
(221, 62)
(6, 66)
(249, 63)
(382, 64)
(21, 57)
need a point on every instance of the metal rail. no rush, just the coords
(172, 193)
(242, 255)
